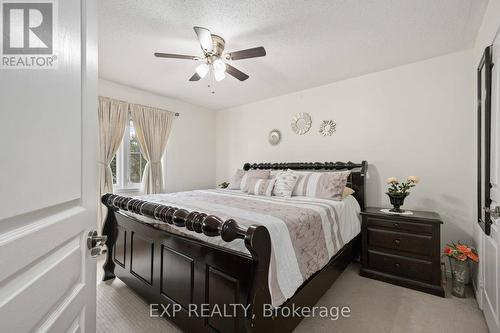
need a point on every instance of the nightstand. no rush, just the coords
(402, 249)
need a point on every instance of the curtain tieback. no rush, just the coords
(103, 164)
(155, 162)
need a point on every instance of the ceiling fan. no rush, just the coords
(213, 57)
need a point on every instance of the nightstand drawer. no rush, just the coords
(401, 266)
(401, 241)
(402, 249)
(400, 226)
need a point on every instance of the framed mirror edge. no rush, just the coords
(484, 71)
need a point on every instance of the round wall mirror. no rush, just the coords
(327, 127)
(274, 137)
(301, 123)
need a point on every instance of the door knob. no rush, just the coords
(495, 212)
(97, 251)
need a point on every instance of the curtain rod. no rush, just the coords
(177, 114)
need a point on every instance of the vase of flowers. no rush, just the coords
(397, 191)
(460, 256)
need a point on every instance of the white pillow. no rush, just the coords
(275, 173)
(285, 182)
(235, 182)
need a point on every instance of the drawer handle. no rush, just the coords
(396, 225)
(397, 241)
(397, 265)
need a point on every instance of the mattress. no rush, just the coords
(305, 232)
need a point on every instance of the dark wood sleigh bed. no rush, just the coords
(171, 269)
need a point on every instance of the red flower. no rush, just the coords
(464, 248)
(474, 257)
(461, 252)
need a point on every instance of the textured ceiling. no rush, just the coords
(309, 43)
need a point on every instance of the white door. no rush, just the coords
(48, 123)
(490, 252)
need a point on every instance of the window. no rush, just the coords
(128, 164)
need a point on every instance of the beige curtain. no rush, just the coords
(113, 117)
(152, 128)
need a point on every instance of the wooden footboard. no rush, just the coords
(170, 269)
(182, 273)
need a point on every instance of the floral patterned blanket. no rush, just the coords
(305, 232)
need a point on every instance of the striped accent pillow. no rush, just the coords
(235, 182)
(326, 185)
(285, 182)
(299, 187)
(259, 186)
(253, 174)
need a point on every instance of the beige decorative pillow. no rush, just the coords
(235, 182)
(347, 192)
(259, 186)
(299, 187)
(326, 185)
(285, 182)
(265, 174)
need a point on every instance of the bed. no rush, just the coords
(223, 247)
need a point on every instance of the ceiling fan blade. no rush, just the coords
(248, 53)
(195, 77)
(236, 73)
(205, 38)
(175, 56)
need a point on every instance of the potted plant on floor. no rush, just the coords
(460, 255)
(397, 191)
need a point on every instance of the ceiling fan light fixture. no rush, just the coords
(219, 66)
(219, 75)
(213, 58)
(202, 70)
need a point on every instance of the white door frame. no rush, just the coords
(90, 144)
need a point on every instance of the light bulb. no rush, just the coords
(202, 70)
(219, 65)
(219, 75)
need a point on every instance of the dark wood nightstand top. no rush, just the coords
(429, 217)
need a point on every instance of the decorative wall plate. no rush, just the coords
(327, 127)
(301, 123)
(274, 137)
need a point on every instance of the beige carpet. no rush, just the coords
(375, 307)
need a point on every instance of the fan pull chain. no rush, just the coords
(212, 79)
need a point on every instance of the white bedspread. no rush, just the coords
(305, 232)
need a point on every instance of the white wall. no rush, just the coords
(411, 120)
(190, 156)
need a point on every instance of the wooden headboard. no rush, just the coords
(356, 179)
